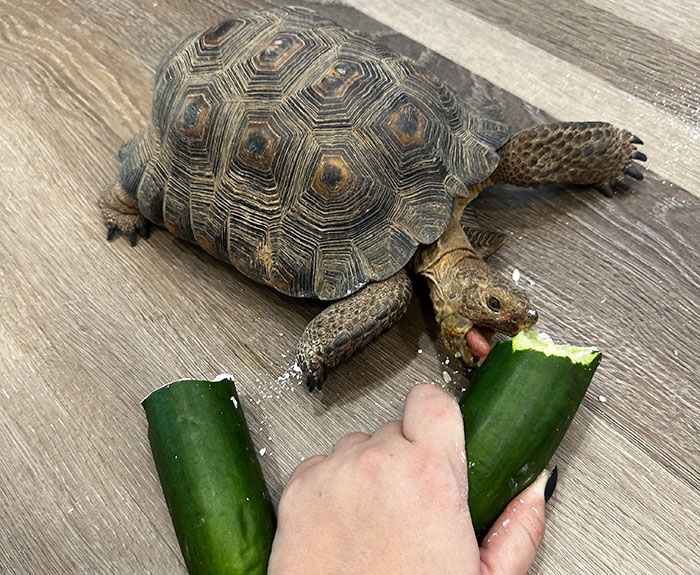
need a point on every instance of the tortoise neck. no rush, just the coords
(476, 189)
(453, 243)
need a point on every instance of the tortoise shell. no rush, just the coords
(311, 158)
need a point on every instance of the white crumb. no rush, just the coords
(71, 510)
(602, 398)
(235, 403)
(420, 351)
(531, 282)
(446, 376)
(516, 275)
(263, 450)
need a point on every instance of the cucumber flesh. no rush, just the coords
(211, 478)
(540, 341)
(516, 411)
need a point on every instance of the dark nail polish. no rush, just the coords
(551, 484)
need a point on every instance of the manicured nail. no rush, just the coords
(551, 484)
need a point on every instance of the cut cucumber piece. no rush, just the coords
(516, 411)
(211, 477)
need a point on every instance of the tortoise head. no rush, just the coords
(472, 302)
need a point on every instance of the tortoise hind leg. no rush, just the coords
(120, 211)
(118, 203)
(350, 324)
(579, 153)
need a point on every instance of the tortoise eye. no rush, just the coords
(494, 303)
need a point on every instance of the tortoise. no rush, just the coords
(324, 165)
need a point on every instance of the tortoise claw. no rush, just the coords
(620, 186)
(634, 172)
(606, 189)
(315, 381)
(145, 230)
(609, 189)
(636, 140)
(639, 156)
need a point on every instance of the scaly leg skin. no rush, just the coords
(579, 153)
(120, 211)
(348, 325)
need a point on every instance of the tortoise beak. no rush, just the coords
(517, 321)
(524, 320)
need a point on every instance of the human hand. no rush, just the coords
(396, 503)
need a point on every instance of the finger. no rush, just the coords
(388, 430)
(350, 440)
(306, 465)
(432, 418)
(510, 546)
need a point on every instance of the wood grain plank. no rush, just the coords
(635, 59)
(626, 490)
(89, 328)
(674, 19)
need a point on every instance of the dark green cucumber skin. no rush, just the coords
(516, 411)
(211, 478)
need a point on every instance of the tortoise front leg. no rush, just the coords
(348, 325)
(579, 153)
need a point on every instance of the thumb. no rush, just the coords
(510, 546)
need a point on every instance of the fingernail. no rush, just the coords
(551, 484)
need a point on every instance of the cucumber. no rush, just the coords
(211, 478)
(516, 411)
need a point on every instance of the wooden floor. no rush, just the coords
(88, 328)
